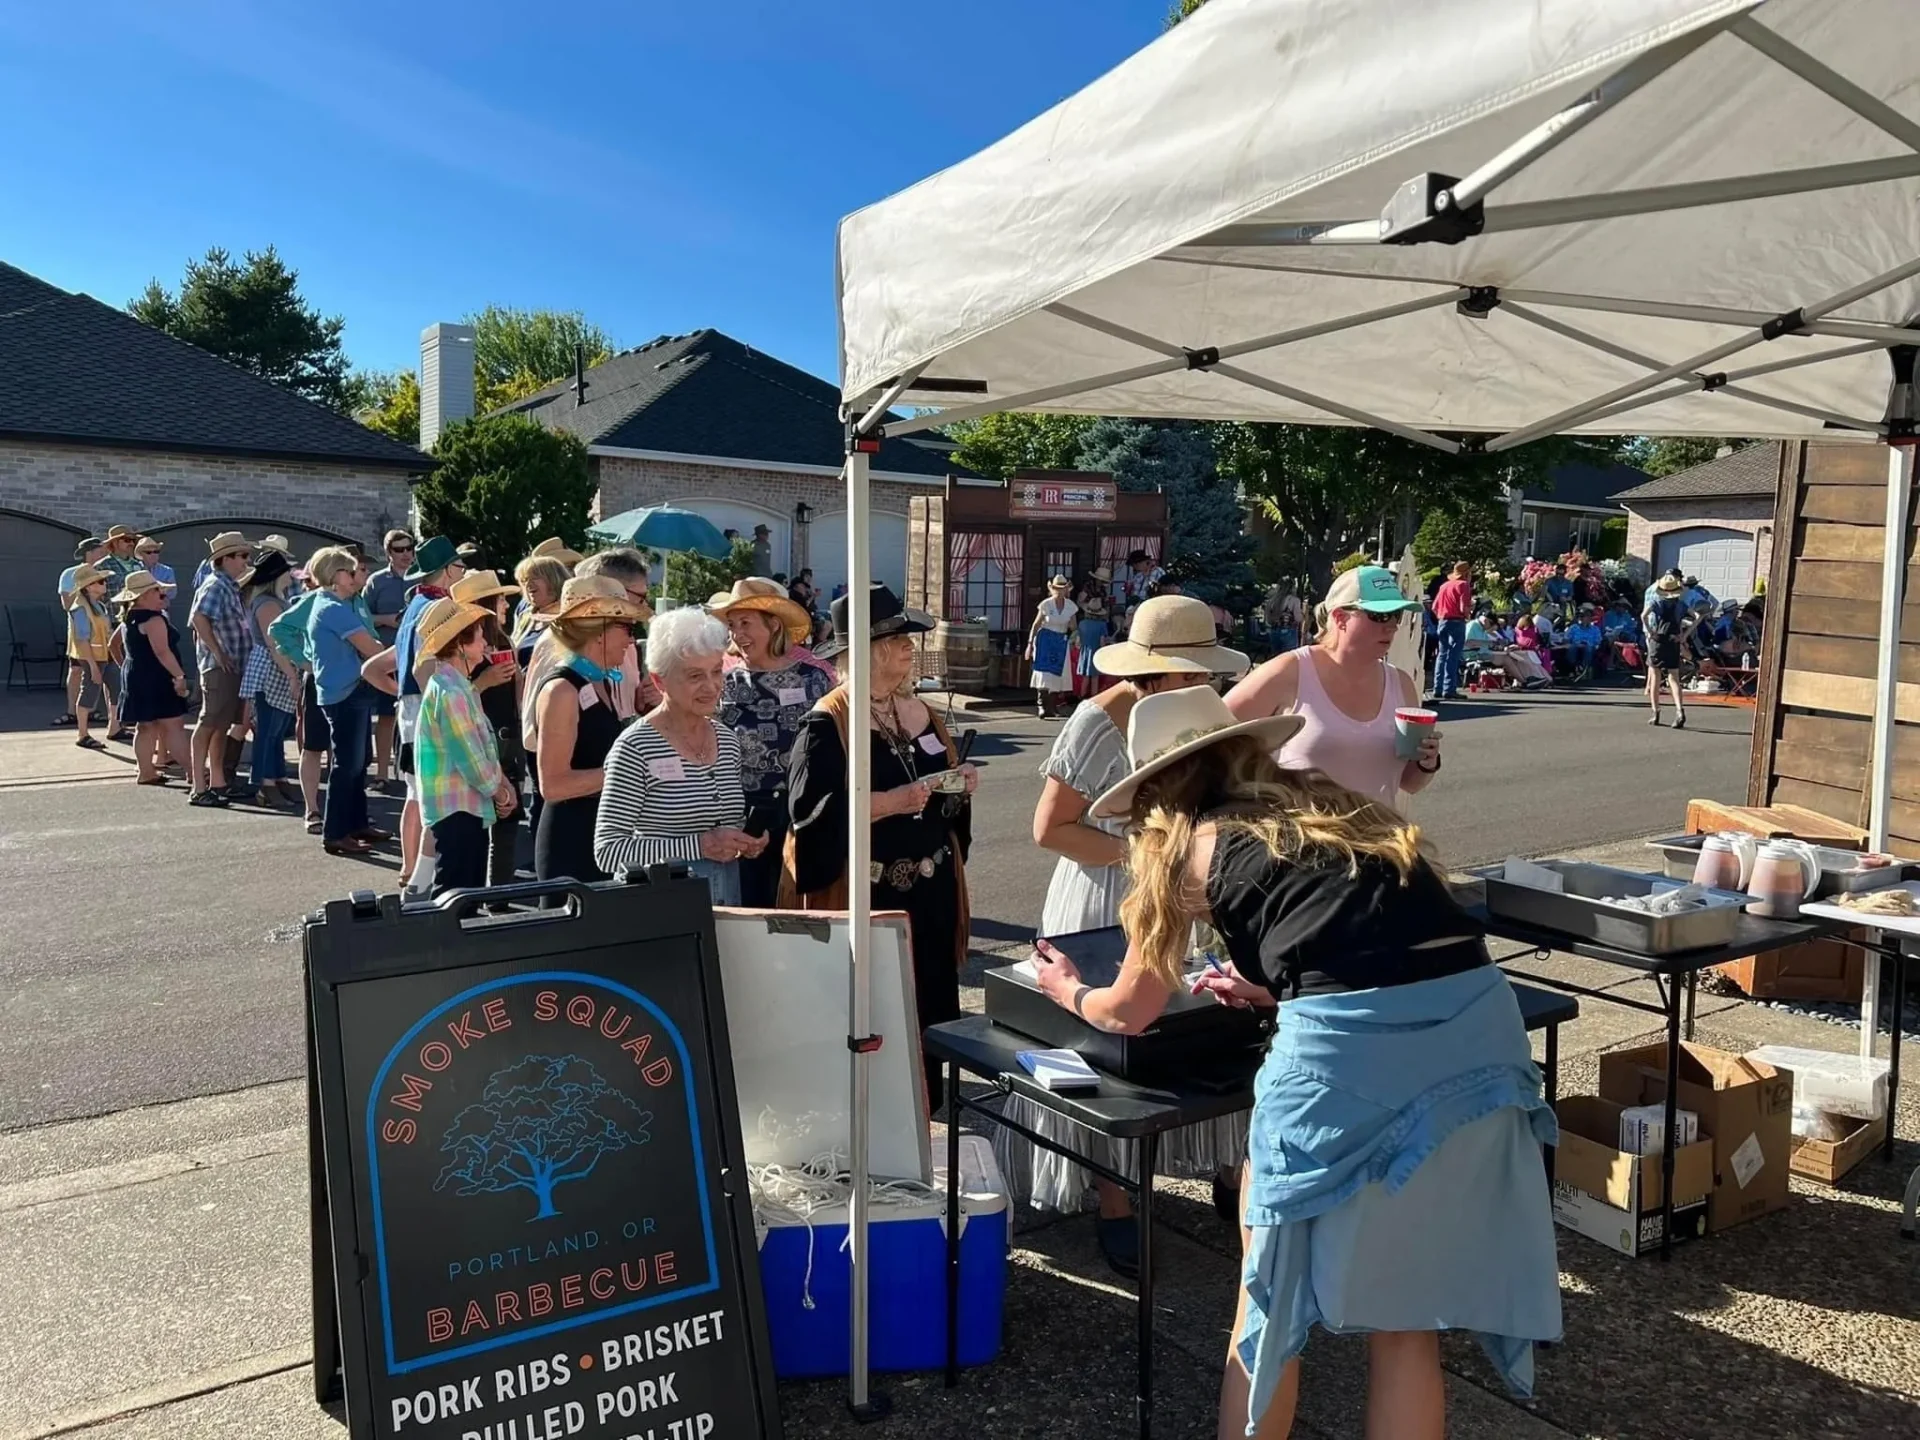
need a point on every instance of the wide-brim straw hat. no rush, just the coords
(227, 542)
(1170, 635)
(477, 585)
(122, 532)
(554, 548)
(1060, 584)
(1669, 585)
(1170, 726)
(1102, 574)
(887, 617)
(136, 585)
(444, 619)
(770, 596)
(84, 576)
(597, 597)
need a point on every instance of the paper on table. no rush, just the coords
(1534, 877)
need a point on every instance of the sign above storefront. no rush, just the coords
(1061, 495)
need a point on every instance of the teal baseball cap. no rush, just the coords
(1368, 587)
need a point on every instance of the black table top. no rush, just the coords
(1126, 1109)
(1752, 935)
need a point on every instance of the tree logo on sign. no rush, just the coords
(541, 1122)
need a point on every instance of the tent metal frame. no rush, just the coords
(1432, 209)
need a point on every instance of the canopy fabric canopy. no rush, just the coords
(1653, 181)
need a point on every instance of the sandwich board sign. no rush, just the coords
(531, 1218)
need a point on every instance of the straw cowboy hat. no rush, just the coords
(84, 576)
(227, 542)
(555, 548)
(755, 593)
(477, 585)
(136, 585)
(122, 532)
(888, 616)
(1670, 585)
(1172, 725)
(598, 597)
(277, 542)
(444, 619)
(1170, 634)
(1059, 584)
(1102, 574)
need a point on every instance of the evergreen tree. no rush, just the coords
(1208, 550)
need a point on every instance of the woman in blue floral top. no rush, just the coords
(764, 700)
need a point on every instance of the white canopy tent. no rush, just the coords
(1500, 218)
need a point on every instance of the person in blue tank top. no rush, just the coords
(1394, 1184)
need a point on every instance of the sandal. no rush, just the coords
(122, 736)
(150, 780)
(87, 742)
(315, 822)
(207, 800)
(66, 721)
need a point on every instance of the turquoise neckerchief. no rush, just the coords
(587, 670)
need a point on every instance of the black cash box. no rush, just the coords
(1196, 1042)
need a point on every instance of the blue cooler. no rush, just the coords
(908, 1290)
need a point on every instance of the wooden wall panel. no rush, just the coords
(1845, 504)
(1851, 619)
(1861, 543)
(1830, 463)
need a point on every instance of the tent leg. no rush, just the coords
(1893, 576)
(864, 1403)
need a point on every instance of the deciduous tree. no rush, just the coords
(506, 483)
(516, 352)
(998, 445)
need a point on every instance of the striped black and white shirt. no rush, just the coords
(656, 804)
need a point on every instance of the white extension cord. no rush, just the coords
(793, 1195)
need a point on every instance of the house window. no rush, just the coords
(984, 579)
(1529, 534)
(1583, 533)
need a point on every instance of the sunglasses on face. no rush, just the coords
(1392, 618)
(400, 549)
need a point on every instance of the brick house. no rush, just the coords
(105, 421)
(706, 423)
(1714, 520)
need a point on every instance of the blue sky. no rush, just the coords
(660, 166)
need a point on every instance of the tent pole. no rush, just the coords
(1893, 575)
(864, 1404)
(1879, 334)
(1867, 106)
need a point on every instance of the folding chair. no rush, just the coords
(38, 638)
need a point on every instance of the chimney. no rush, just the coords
(446, 379)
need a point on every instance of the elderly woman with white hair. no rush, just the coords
(673, 790)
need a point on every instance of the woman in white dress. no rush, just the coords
(1171, 646)
(1052, 675)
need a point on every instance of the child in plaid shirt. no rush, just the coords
(462, 788)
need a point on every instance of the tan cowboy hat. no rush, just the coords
(557, 549)
(150, 540)
(277, 542)
(755, 593)
(84, 576)
(1170, 634)
(598, 597)
(1102, 574)
(122, 532)
(1668, 585)
(1060, 583)
(227, 542)
(136, 585)
(478, 585)
(444, 619)
(1169, 726)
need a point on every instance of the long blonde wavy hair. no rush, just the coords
(1299, 815)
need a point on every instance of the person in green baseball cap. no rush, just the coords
(1349, 694)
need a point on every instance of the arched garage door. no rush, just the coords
(186, 547)
(827, 550)
(33, 552)
(740, 516)
(1723, 559)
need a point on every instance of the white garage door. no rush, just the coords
(734, 515)
(1723, 559)
(827, 550)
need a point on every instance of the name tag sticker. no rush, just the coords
(668, 768)
(793, 696)
(589, 697)
(931, 743)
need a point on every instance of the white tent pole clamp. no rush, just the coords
(1893, 580)
(860, 1039)
(1788, 323)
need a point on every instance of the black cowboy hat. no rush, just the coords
(271, 565)
(889, 617)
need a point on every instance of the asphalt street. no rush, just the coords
(152, 951)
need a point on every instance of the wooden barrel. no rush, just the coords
(963, 647)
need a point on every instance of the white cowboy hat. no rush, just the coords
(1169, 726)
(1060, 583)
(1170, 634)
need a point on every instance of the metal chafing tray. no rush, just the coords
(1840, 870)
(1580, 910)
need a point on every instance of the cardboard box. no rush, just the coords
(1608, 1195)
(1745, 1109)
(1828, 1161)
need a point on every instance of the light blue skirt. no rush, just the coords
(1466, 1243)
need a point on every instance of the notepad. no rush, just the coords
(1059, 1070)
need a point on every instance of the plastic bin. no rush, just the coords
(908, 1294)
(1825, 1080)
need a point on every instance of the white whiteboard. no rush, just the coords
(787, 980)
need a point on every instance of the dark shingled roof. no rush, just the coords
(1752, 470)
(1582, 482)
(80, 372)
(707, 394)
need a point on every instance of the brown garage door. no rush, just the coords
(186, 547)
(33, 552)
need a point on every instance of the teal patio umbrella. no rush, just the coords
(663, 528)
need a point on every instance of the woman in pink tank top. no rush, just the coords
(1345, 691)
